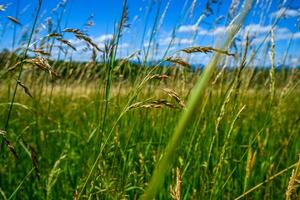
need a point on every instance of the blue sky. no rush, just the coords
(187, 17)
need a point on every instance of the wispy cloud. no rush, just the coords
(285, 12)
(260, 33)
(192, 28)
(187, 28)
(175, 41)
(257, 28)
(220, 30)
(279, 36)
(103, 38)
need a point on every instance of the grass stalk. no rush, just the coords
(21, 66)
(195, 97)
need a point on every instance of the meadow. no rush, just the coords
(120, 127)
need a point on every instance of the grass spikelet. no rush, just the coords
(53, 176)
(87, 40)
(135, 105)
(39, 62)
(179, 61)
(42, 64)
(159, 76)
(124, 19)
(250, 162)
(160, 103)
(41, 52)
(294, 183)
(9, 145)
(205, 50)
(72, 30)
(243, 62)
(25, 88)
(14, 67)
(272, 70)
(175, 191)
(14, 20)
(66, 42)
(33, 156)
(34, 160)
(54, 35)
(223, 109)
(175, 96)
(81, 36)
(249, 166)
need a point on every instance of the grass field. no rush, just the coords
(115, 129)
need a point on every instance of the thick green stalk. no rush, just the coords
(195, 97)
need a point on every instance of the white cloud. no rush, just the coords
(184, 41)
(175, 41)
(203, 32)
(284, 12)
(218, 31)
(192, 28)
(257, 28)
(104, 38)
(187, 28)
(213, 32)
(280, 34)
(260, 33)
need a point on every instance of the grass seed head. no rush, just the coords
(175, 191)
(26, 90)
(160, 103)
(42, 64)
(87, 40)
(179, 61)
(159, 76)
(41, 52)
(66, 42)
(72, 30)
(54, 35)
(9, 145)
(198, 49)
(294, 183)
(14, 20)
(175, 96)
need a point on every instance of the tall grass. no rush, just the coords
(193, 102)
(116, 127)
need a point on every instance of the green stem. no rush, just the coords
(21, 67)
(195, 97)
